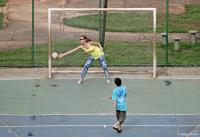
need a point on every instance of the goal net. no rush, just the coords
(127, 35)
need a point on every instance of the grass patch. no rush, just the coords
(16, 57)
(185, 22)
(140, 22)
(188, 54)
(116, 53)
(116, 22)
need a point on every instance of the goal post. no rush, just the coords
(145, 40)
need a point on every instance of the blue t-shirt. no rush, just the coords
(119, 95)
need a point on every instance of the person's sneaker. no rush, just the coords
(80, 81)
(107, 80)
(120, 129)
(117, 129)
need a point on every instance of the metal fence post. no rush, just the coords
(33, 33)
(102, 28)
(167, 44)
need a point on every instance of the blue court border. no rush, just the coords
(86, 125)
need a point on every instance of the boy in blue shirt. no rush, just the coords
(119, 98)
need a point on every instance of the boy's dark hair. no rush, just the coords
(118, 81)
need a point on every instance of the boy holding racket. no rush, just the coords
(119, 99)
(96, 53)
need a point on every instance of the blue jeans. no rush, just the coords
(90, 60)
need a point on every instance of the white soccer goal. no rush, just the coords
(130, 32)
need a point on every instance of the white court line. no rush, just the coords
(43, 126)
(133, 78)
(99, 114)
(64, 78)
(9, 128)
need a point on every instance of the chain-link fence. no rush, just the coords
(15, 33)
(24, 34)
(183, 46)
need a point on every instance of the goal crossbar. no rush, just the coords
(102, 9)
(50, 71)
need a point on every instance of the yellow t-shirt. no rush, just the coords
(94, 51)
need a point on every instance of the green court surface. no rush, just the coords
(65, 96)
(61, 107)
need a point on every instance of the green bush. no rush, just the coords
(2, 3)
